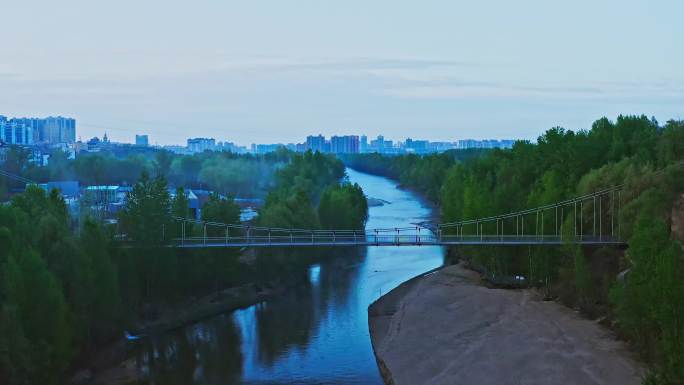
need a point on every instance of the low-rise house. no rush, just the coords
(69, 189)
(109, 199)
(193, 202)
(101, 195)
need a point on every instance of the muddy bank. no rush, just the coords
(109, 365)
(211, 305)
(446, 328)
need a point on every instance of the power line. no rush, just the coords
(16, 177)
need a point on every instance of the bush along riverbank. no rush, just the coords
(63, 296)
(638, 291)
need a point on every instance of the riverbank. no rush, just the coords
(447, 328)
(109, 365)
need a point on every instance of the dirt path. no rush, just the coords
(445, 328)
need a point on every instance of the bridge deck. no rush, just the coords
(402, 240)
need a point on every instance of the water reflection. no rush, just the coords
(281, 331)
(314, 274)
(316, 333)
(205, 353)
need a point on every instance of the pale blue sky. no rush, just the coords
(276, 71)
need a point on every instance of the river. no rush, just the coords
(317, 334)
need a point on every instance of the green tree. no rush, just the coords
(145, 216)
(91, 168)
(222, 266)
(343, 207)
(16, 366)
(288, 211)
(162, 163)
(670, 147)
(180, 207)
(650, 305)
(104, 308)
(17, 160)
(43, 316)
(222, 210)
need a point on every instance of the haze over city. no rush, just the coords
(267, 72)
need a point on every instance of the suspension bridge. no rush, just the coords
(590, 219)
(587, 220)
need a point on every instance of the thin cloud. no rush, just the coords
(372, 64)
(460, 89)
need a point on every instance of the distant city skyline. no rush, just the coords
(152, 141)
(142, 138)
(258, 72)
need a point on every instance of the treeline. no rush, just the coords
(422, 173)
(63, 294)
(58, 293)
(224, 172)
(312, 194)
(640, 290)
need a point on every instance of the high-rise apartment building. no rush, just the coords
(416, 146)
(36, 124)
(266, 148)
(142, 140)
(363, 144)
(380, 145)
(316, 143)
(232, 147)
(16, 133)
(201, 144)
(51, 130)
(348, 144)
(58, 129)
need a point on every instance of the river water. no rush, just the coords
(317, 334)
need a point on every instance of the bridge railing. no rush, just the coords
(592, 217)
(246, 235)
(315, 239)
(370, 239)
(587, 218)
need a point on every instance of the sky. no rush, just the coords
(264, 71)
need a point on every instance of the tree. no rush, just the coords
(221, 210)
(44, 322)
(180, 207)
(288, 211)
(650, 305)
(162, 163)
(104, 309)
(91, 168)
(15, 350)
(60, 165)
(145, 216)
(17, 160)
(343, 207)
(670, 147)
